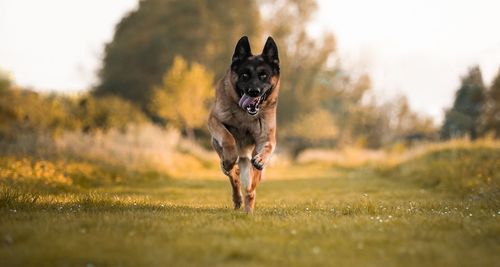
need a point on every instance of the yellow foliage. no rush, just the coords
(317, 125)
(182, 98)
(24, 170)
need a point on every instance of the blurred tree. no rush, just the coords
(182, 99)
(316, 128)
(147, 39)
(27, 112)
(7, 113)
(307, 74)
(491, 118)
(304, 60)
(5, 82)
(408, 125)
(463, 118)
(369, 125)
(205, 31)
(343, 97)
(105, 113)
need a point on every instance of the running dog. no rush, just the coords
(242, 120)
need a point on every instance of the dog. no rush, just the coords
(242, 120)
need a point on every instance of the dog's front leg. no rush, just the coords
(225, 145)
(264, 148)
(251, 175)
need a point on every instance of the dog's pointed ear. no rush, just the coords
(270, 51)
(242, 49)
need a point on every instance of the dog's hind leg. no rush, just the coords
(233, 174)
(250, 177)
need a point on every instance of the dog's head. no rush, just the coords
(255, 77)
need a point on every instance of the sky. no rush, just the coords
(57, 44)
(414, 48)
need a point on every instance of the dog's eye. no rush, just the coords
(263, 76)
(244, 76)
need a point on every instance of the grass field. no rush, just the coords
(438, 209)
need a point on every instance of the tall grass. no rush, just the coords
(353, 157)
(143, 147)
(138, 147)
(469, 170)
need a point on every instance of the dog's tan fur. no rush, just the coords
(239, 138)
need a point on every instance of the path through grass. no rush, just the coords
(307, 216)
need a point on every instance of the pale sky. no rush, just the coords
(417, 48)
(57, 44)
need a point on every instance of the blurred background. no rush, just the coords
(130, 82)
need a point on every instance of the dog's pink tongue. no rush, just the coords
(247, 100)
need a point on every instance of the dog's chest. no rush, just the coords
(244, 136)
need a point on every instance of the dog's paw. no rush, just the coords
(227, 165)
(258, 163)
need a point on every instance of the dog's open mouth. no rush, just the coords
(250, 104)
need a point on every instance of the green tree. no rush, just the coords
(491, 118)
(464, 117)
(182, 99)
(147, 39)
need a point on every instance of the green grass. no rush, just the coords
(313, 215)
(473, 172)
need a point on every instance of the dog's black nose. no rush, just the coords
(253, 92)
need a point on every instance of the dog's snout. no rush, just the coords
(254, 92)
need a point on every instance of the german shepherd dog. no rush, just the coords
(242, 120)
